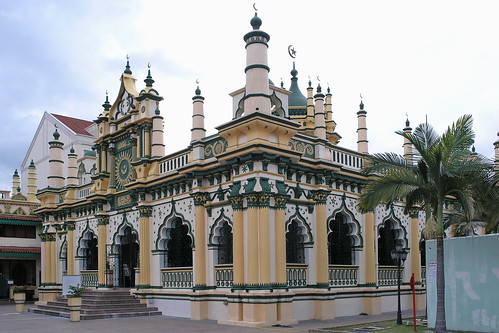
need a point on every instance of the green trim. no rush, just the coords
(20, 255)
(256, 66)
(21, 222)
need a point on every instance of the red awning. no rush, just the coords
(20, 249)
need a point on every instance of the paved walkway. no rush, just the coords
(10, 321)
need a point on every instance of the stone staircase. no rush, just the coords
(100, 304)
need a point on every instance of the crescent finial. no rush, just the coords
(127, 57)
(361, 95)
(254, 7)
(292, 51)
(106, 92)
(149, 65)
(197, 81)
(318, 78)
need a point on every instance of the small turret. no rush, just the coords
(16, 182)
(198, 131)
(408, 156)
(32, 187)
(320, 120)
(56, 163)
(362, 142)
(496, 150)
(72, 168)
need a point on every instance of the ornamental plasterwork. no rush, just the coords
(305, 148)
(398, 211)
(81, 226)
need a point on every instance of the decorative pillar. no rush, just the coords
(238, 240)
(280, 240)
(70, 254)
(414, 244)
(199, 309)
(145, 246)
(102, 222)
(252, 240)
(112, 167)
(264, 239)
(147, 140)
(372, 305)
(104, 156)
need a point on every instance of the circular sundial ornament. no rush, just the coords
(143, 108)
(124, 173)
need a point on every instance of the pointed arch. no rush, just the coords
(221, 238)
(87, 248)
(298, 236)
(63, 254)
(390, 233)
(175, 240)
(120, 232)
(276, 106)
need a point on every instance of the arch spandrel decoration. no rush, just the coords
(355, 229)
(306, 229)
(216, 226)
(120, 231)
(84, 235)
(398, 227)
(167, 224)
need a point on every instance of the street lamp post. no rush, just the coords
(399, 255)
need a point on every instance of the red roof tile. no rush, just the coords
(20, 249)
(76, 125)
(21, 217)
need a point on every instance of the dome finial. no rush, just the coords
(127, 68)
(255, 22)
(56, 134)
(106, 105)
(198, 91)
(361, 105)
(149, 81)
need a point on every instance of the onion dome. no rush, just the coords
(296, 98)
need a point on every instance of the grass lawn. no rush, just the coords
(391, 325)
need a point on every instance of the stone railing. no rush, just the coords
(89, 279)
(347, 159)
(423, 275)
(296, 275)
(174, 162)
(387, 275)
(343, 276)
(224, 276)
(176, 277)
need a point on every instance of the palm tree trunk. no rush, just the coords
(440, 323)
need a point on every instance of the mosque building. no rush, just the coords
(255, 225)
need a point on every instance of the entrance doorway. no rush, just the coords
(128, 258)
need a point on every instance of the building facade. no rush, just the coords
(255, 225)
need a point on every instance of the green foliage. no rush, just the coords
(75, 291)
(19, 290)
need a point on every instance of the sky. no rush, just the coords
(434, 60)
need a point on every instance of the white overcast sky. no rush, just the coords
(438, 59)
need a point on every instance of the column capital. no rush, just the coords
(47, 237)
(236, 202)
(319, 196)
(70, 225)
(199, 198)
(281, 201)
(102, 220)
(145, 211)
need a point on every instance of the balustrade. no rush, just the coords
(89, 278)
(296, 275)
(342, 276)
(176, 277)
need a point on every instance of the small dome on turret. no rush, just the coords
(149, 81)
(256, 22)
(56, 134)
(407, 123)
(32, 164)
(361, 105)
(16, 174)
(72, 150)
(296, 98)
(197, 91)
(106, 105)
(127, 67)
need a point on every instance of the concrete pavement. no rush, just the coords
(25, 322)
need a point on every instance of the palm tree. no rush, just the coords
(443, 169)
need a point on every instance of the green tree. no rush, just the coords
(442, 168)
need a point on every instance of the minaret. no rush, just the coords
(257, 97)
(72, 168)
(362, 143)
(16, 183)
(56, 164)
(32, 182)
(320, 120)
(310, 104)
(407, 144)
(198, 131)
(157, 143)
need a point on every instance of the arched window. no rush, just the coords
(422, 250)
(63, 257)
(225, 244)
(179, 246)
(295, 244)
(339, 241)
(81, 174)
(386, 243)
(88, 250)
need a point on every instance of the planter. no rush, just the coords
(19, 299)
(74, 304)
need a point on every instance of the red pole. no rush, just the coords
(413, 288)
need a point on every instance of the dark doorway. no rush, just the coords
(339, 242)
(128, 255)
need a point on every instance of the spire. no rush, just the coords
(106, 105)
(408, 148)
(127, 67)
(149, 81)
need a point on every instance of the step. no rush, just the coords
(115, 311)
(119, 315)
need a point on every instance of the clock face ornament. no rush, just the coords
(124, 172)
